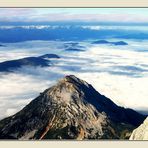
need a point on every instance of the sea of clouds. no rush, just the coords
(118, 72)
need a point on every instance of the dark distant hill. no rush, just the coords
(50, 56)
(9, 66)
(1, 45)
(101, 42)
(73, 46)
(73, 49)
(110, 43)
(119, 43)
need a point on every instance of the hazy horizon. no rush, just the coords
(74, 14)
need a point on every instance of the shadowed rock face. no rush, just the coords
(141, 133)
(72, 109)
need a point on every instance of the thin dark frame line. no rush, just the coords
(70, 7)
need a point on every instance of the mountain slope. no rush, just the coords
(72, 109)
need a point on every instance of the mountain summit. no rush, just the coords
(71, 109)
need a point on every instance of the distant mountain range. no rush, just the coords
(71, 109)
(41, 61)
(19, 33)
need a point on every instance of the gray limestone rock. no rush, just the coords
(141, 133)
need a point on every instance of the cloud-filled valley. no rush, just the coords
(118, 72)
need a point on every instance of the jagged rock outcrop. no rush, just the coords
(71, 109)
(141, 133)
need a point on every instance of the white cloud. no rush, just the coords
(96, 65)
(73, 14)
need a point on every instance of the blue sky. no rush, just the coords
(74, 14)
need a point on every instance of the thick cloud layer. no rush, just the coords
(119, 72)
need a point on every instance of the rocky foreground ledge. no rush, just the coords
(141, 133)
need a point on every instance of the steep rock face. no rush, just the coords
(72, 109)
(141, 133)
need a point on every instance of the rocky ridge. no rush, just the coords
(71, 109)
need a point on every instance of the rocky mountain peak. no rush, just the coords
(74, 81)
(68, 89)
(71, 109)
